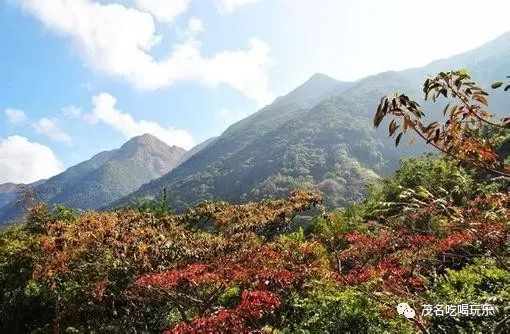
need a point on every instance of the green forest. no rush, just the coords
(435, 233)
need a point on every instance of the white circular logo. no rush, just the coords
(406, 310)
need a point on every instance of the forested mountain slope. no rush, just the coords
(296, 141)
(105, 177)
(317, 136)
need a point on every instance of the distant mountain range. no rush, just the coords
(196, 149)
(104, 178)
(320, 135)
(8, 193)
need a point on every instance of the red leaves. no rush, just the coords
(262, 268)
(355, 237)
(99, 290)
(454, 240)
(222, 322)
(395, 256)
(270, 278)
(419, 241)
(192, 275)
(366, 245)
(254, 306)
(196, 274)
(389, 272)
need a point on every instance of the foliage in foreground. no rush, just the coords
(225, 268)
(434, 233)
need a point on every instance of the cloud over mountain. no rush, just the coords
(105, 111)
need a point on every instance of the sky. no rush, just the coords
(82, 76)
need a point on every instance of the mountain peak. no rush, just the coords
(148, 140)
(144, 139)
(103, 179)
(319, 81)
(148, 149)
(320, 77)
(313, 90)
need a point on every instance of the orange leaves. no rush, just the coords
(258, 217)
(232, 278)
(135, 258)
(130, 237)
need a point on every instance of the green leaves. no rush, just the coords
(496, 85)
(499, 84)
(399, 137)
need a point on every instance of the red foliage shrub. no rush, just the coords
(192, 275)
(254, 305)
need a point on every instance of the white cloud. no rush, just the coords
(22, 161)
(195, 25)
(164, 10)
(15, 116)
(231, 116)
(117, 41)
(193, 29)
(105, 111)
(72, 112)
(50, 128)
(227, 6)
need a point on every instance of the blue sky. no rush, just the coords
(83, 76)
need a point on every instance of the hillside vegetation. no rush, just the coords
(319, 136)
(435, 232)
(104, 178)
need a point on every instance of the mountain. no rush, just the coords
(196, 149)
(314, 90)
(487, 63)
(8, 193)
(319, 135)
(296, 141)
(106, 177)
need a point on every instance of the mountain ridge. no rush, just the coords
(106, 176)
(316, 123)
